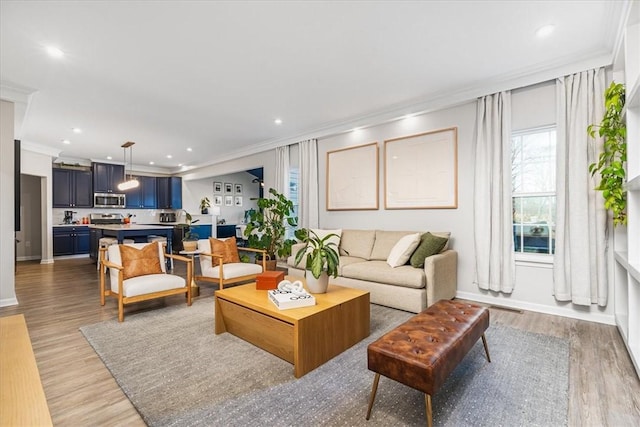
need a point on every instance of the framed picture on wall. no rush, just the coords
(238, 201)
(352, 178)
(217, 187)
(217, 200)
(421, 171)
(228, 200)
(228, 188)
(238, 189)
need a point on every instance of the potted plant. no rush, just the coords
(268, 224)
(205, 204)
(322, 259)
(189, 237)
(612, 159)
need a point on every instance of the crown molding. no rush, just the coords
(38, 148)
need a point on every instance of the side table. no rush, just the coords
(195, 290)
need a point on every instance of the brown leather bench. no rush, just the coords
(423, 351)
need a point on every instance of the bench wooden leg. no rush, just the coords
(374, 389)
(427, 401)
(486, 347)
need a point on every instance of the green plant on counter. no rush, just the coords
(205, 204)
(611, 162)
(186, 228)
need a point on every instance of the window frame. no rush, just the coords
(531, 258)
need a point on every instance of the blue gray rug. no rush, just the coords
(177, 372)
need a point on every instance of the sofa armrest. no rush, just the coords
(441, 272)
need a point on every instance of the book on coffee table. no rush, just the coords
(285, 300)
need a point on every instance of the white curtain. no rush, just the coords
(282, 170)
(493, 218)
(308, 184)
(580, 264)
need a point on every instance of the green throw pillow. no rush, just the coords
(429, 245)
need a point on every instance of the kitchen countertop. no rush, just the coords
(117, 227)
(72, 225)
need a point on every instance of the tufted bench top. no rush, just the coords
(423, 351)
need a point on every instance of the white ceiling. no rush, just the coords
(213, 76)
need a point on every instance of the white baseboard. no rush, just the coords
(6, 302)
(46, 261)
(539, 308)
(28, 258)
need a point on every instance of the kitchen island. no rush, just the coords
(134, 231)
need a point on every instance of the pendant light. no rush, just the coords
(132, 182)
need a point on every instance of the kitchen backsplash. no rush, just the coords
(140, 216)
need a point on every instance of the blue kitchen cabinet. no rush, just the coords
(72, 188)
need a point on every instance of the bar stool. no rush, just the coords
(162, 239)
(105, 242)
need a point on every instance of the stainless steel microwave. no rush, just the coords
(109, 200)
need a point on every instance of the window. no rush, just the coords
(293, 196)
(533, 172)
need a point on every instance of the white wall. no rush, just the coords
(7, 215)
(193, 191)
(30, 235)
(38, 164)
(532, 107)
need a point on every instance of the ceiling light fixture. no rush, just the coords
(66, 141)
(169, 156)
(152, 163)
(189, 149)
(132, 182)
(545, 30)
(278, 121)
(109, 157)
(55, 52)
(77, 130)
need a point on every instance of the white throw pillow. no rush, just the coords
(402, 250)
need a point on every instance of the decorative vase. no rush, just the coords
(319, 285)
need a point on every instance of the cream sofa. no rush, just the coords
(363, 265)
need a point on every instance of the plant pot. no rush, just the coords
(204, 211)
(319, 285)
(271, 265)
(190, 245)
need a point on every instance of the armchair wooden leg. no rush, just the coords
(120, 308)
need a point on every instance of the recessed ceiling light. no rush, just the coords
(66, 141)
(179, 164)
(151, 163)
(545, 30)
(55, 52)
(189, 149)
(109, 157)
(76, 130)
(278, 121)
(169, 156)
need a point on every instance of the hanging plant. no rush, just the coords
(611, 162)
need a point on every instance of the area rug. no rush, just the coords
(177, 372)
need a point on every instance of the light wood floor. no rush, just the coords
(57, 299)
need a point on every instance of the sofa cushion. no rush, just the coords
(140, 261)
(347, 260)
(357, 243)
(402, 250)
(429, 245)
(227, 248)
(381, 272)
(385, 240)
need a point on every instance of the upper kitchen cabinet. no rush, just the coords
(143, 196)
(169, 192)
(72, 188)
(106, 177)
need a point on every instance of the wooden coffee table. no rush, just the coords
(307, 337)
